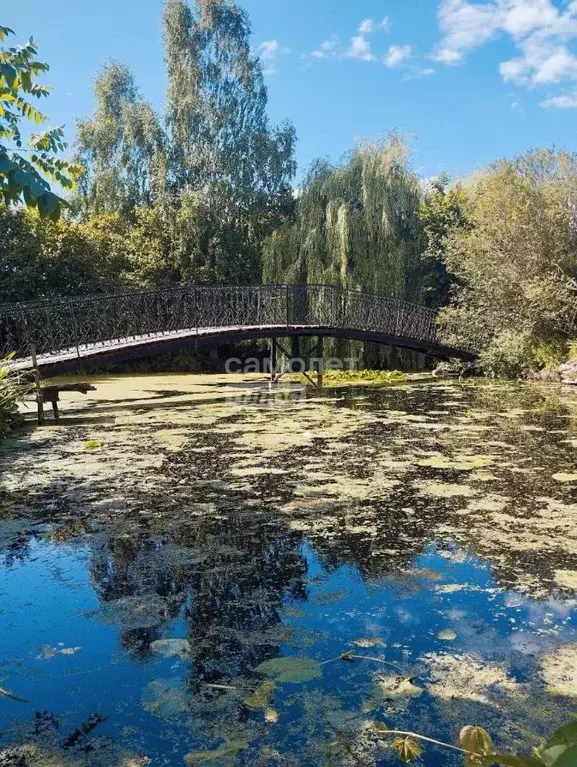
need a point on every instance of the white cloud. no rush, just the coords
(541, 32)
(268, 52)
(542, 62)
(360, 48)
(465, 26)
(368, 26)
(325, 49)
(397, 54)
(561, 102)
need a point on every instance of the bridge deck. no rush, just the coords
(110, 328)
(119, 349)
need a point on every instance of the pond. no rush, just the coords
(185, 559)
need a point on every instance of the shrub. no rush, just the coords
(12, 391)
(511, 354)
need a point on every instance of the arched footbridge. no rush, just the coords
(99, 329)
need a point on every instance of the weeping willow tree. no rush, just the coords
(358, 227)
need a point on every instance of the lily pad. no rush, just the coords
(291, 669)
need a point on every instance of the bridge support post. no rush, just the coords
(295, 350)
(320, 362)
(37, 387)
(273, 360)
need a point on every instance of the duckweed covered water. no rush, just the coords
(185, 559)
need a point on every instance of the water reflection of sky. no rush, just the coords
(79, 612)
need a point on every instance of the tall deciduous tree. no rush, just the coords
(122, 147)
(517, 261)
(226, 160)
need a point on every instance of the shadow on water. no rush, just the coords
(210, 538)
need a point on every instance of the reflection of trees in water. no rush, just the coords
(232, 570)
(396, 539)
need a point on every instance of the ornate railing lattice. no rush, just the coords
(64, 326)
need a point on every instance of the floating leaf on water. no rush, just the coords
(447, 635)
(92, 444)
(262, 695)
(233, 748)
(562, 477)
(333, 596)
(291, 669)
(271, 715)
(172, 648)
(407, 749)
(476, 740)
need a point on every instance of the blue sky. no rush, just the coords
(467, 82)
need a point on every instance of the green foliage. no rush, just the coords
(357, 226)
(516, 261)
(122, 147)
(40, 258)
(352, 376)
(262, 695)
(442, 212)
(516, 354)
(12, 391)
(203, 195)
(509, 355)
(25, 174)
(476, 740)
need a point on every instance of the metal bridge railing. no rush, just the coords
(54, 327)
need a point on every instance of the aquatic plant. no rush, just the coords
(376, 376)
(476, 745)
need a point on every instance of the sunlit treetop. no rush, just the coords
(26, 174)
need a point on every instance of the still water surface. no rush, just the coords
(194, 580)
